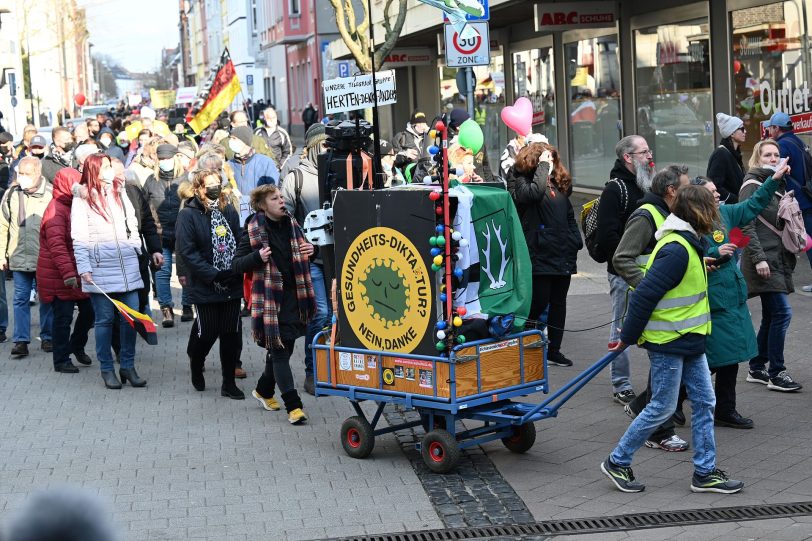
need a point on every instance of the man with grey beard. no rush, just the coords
(630, 179)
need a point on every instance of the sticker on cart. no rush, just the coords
(410, 373)
(388, 376)
(358, 362)
(362, 377)
(344, 361)
(425, 378)
(499, 345)
(398, 371)
(372, 362)
(415, 363)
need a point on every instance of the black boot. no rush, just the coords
(229, 388)
(131, 375)
(110, 380)
(198, 381)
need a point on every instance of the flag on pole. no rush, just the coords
(224, 87)
(142, 323)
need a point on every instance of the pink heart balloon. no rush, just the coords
(808, 244)
(519, 116)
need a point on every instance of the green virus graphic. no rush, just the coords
(385, 292)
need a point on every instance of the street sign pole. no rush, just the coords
(470, 79)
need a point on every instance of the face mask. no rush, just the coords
(166, 165)
(67, 147)
(770, 166)
(25, 182)
(213, 192)
(105, 141)
(108, 175)
(38, 156)
(235, 146)
(184, 162)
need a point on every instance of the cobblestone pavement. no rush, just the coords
(177, 464)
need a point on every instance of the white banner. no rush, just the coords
(351, 93)
(186, 94)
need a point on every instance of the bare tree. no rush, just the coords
(356, 35)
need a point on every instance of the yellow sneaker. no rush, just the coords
(297, 416)
(270, 404)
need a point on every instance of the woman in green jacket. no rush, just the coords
(732, 339)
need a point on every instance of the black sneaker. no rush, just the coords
(82, 358)
(629, 411)
(47, 346)
(625, 397)
(758, 376)
(20, 349)
(733, 420)
(557, 358)
(187, 314)
(715, 481)
(622, 477)
(66, 368)
(784, 383)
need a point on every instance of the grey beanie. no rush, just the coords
(728, 124)
(244, 134)
(315, 135)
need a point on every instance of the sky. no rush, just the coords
(133, 33)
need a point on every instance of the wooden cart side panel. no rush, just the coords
(499, 366)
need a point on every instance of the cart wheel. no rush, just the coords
(440, 451)
(523, 438)
(357, 437)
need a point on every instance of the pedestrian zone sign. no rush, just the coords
(461, 52)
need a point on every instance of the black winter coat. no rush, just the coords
(548, 222)
(150, 240)
(162, 194)
(51, 165)
(613, 215)
(193, 244)
(726, 171)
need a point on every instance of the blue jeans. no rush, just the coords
(667, 370)
(23, 282)
(320, 318)
(105, 314)
(619, 289)
(776, 314)
(162, 288)
(807, 214)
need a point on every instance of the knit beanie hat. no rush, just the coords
(728, 124)
(244, 134)
(315, 135)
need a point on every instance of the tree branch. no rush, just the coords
(356, 43)
(392, 34)
(350, 16)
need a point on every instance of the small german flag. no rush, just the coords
(224, 87)
(142, 323)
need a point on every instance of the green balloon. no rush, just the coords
(433, 241)
(440, 345)
(460, 339)
(470, 136)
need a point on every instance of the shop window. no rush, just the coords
(593, 108)
(672, 79)
(770, 71)
(533, 78)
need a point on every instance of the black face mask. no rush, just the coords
(38, 156)
(213, 193)
(67, 147)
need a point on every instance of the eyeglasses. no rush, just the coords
(646, 151)
(742, 129)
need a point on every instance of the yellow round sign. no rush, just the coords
(718, 236)
(220, 230)
(385, 291)
(388, 376)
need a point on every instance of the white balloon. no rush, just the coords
(440, 335)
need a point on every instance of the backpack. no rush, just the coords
(807, 181)
(589, 222)
(298, 207)
(793, 232)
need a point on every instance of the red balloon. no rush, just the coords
(737, 66)
(462, 310)
(440, 126)
(439, 210)
(434, 196)
(79, 99)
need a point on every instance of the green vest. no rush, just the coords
(684, 309)
(656, 215)
(480, 116)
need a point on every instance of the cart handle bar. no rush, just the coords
(562, 395)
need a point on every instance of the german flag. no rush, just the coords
(224, 87)
(142, 323)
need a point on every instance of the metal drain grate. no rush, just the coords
(618, 523)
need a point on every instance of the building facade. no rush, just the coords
(598, 70)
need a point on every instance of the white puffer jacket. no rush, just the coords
(106, 246)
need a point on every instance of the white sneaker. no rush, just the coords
(807, 289)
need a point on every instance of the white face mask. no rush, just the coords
(105, 141)
(235, 146)
(166, 165)
(108, 175)
(25, 182)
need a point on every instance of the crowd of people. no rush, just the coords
(93, 218)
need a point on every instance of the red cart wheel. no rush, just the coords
(357, 437)
(522, 439)
(440, 451)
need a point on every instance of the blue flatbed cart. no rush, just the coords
(478, 381)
